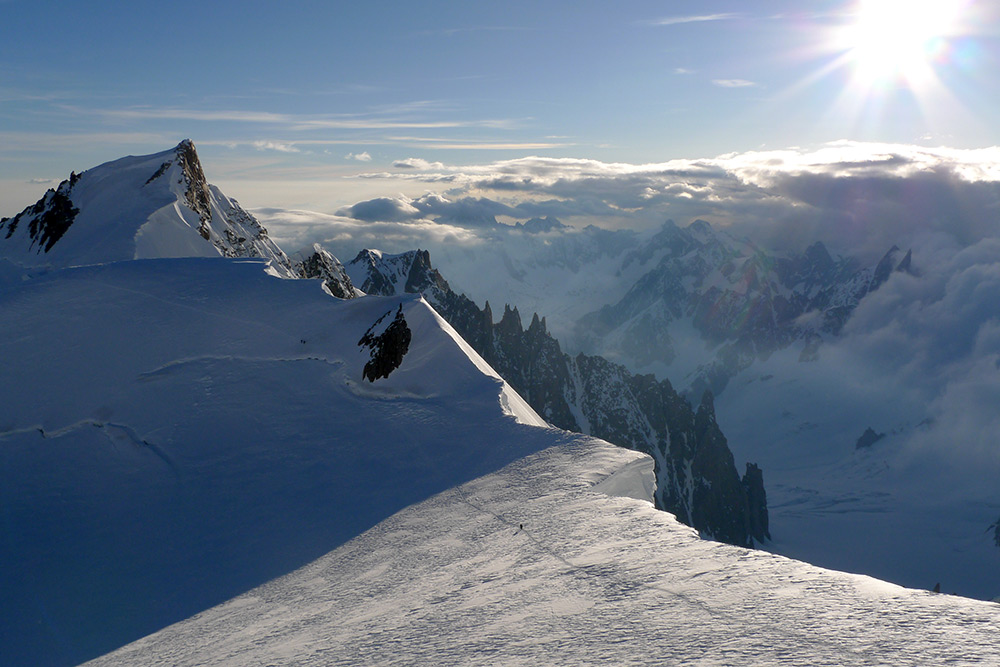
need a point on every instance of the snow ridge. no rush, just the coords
(696, 475)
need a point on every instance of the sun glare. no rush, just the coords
(899, 40)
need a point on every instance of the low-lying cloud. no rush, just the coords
(856, 198)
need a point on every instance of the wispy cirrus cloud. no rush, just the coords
(295, 122)
(734, 83)
(276, 146)
(697, 18)
(33, 141)
(492, 146)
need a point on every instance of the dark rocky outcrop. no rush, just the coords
(388, 347)
(159, 172)
(321, 265)
(753, 484)
(48, 219)
(717, 498)
(868, 438)
(197, 195)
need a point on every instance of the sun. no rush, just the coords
(898, 41)
(895, 67)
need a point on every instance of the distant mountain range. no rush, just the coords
(743, 302)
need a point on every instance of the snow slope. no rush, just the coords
(174, 432)
(591, 579)
(136, 207)
(913, 515)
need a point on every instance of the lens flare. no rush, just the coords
(899, 41)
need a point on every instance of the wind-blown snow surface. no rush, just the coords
(174, 432)
(591, 579)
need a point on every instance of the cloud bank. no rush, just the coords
(857, 198)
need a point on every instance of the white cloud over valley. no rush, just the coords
(857, 198)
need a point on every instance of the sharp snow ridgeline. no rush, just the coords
(697, 479)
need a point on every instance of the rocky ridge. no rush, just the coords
(319, 264)
(697, 478)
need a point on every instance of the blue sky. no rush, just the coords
(294, 99)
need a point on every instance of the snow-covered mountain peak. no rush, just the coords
(380, 273)
(136, 207)
(317, 262)
(541, 225)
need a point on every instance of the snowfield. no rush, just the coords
(180, 434)
(175, 432)
(590, 579)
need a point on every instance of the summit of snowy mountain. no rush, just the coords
(136, 207)
(540, 225)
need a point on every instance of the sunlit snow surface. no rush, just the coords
(591, 579)
(175, 432)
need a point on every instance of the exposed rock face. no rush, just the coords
(230, 228)
(697, 479)
(868, 438)
(753, 483)
(197, 194)
(48, 219)
(743, 301)
(408, 273)
(324, 266)
(716, 496)
(387, 347)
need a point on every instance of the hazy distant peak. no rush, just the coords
(541, 225)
